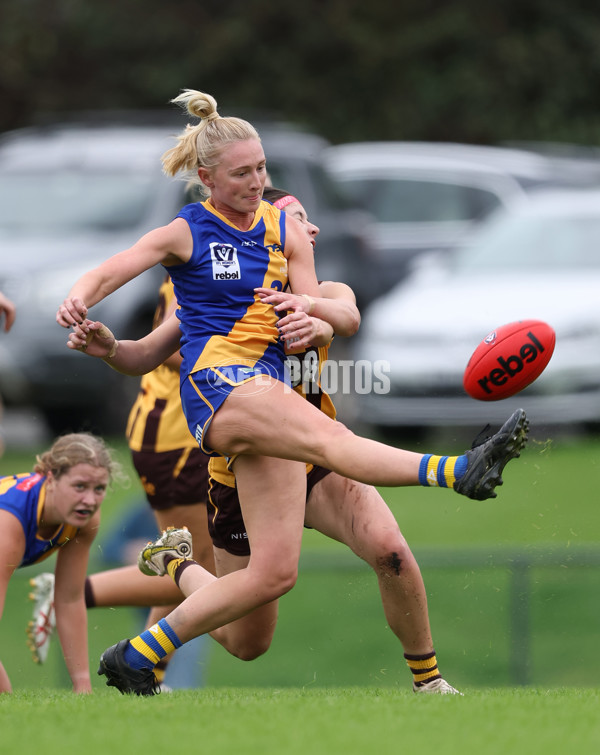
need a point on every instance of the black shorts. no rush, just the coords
(225, 522)
(173, 478)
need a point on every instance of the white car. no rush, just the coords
(426, 196)
(540, 260)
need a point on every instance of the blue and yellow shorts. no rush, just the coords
(203, 393)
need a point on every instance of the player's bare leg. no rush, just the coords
(307, 434)
(127, 586)
(356, 514)
(250, 636)
(275, 535)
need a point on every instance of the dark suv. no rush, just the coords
(73, 194)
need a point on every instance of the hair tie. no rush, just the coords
(285, 201)
(211, 117)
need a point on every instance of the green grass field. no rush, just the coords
(342, 721)
(333, 652)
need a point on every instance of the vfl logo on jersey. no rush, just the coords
(225, 263)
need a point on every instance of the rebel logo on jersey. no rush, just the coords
(509, 359)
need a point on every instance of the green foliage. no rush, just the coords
(462, 71)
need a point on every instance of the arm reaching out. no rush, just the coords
(170, 244)
(128, 357)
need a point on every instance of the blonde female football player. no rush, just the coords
(352, 513)
(229, 257)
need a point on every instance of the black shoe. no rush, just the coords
(126, 679)
(487, 459)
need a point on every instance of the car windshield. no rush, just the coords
(67, 200)
(396, 200)
(533, 243)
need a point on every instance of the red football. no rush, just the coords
(509, 359)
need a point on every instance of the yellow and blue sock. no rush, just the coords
(160, 670)
(148, 648)
(441, 471)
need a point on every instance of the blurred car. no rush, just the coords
(71, 195)
(295, 163)
(431, 196)
(539, 260)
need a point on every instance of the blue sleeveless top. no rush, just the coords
(223, 322)
(23, 495)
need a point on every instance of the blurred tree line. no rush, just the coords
(462, 70)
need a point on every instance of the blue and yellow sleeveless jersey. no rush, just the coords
(23, 495)
(223, 322)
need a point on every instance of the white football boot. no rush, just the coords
(42, 625)
(174, 542)
(437, 686)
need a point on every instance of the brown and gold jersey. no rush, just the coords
(156, 421)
